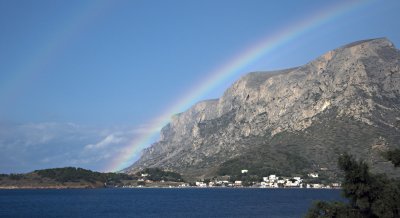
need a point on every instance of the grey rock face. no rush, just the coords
(359, 82)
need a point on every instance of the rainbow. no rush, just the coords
(233, 67)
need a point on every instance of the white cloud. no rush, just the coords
(29, 146)
(110, 139)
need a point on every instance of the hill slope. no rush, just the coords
(291, 121)
(67, 177)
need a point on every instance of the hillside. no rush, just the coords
(292, 121)
(68, 177)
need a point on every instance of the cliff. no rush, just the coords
(291, 121)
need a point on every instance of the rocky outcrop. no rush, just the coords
(358, 83)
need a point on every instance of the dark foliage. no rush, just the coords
(72, 174)
(369, 195)
(332, 209)
(142, 183)
(234, 167)
(157, 174)
(263, 163)
(117, 177)
(16, 176)
(393, 156)
(289, 153)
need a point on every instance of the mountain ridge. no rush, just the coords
(359, 82)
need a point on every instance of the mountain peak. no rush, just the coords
(383, 41)
(347, 100)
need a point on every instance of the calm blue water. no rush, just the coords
(161, 202)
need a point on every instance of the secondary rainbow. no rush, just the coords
(233, 67)
(70, 28)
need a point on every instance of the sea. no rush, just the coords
(154, 202)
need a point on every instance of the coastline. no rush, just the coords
(150, 187)
(47, 187)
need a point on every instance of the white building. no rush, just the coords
(313, 175)
(272, 177)
(238, 183)
(297, 178)
(245, 171)
(201, 184)
(317, 185)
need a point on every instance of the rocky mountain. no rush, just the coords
(291, 121)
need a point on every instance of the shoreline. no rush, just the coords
(153, 187)
(47, 187)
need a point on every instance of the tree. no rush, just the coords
(332, 209)
(393, 156)
(157, 174)
(369, 195)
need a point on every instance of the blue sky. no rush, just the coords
(80, 79)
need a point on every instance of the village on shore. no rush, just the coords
(271, 181)
(71, 177)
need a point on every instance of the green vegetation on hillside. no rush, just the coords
(369, 195)
(71, 177)
(72, 174)
(314, 149)
(393, 156)
(64, 177)
(265, 157)
(157, 174)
